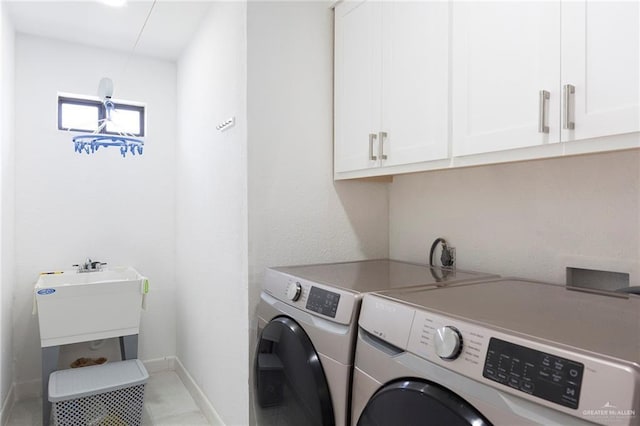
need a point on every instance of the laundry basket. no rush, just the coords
(106, 395)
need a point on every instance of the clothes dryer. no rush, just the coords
(503, 352)
(307, 324)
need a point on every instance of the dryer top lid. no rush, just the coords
(379, 274)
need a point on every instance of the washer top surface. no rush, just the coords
(602, 324)
(380, 274)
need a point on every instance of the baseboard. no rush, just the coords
(7, 406)
(198, 396)
(26, 390)
(160, 364)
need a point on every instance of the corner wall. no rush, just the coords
(530, 219)
(70, 205)
(7, 204)
(297, 213)
(211, 222)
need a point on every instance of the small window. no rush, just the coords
(86, 115)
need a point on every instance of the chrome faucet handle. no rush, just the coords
(97, 265)
(90, 265)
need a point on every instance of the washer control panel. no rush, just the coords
(534, 372)
(569, 380)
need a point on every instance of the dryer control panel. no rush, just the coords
(323, 301)
(318, 299)
(537, 373)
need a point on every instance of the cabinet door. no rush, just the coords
(601, 58)
(504, 54)
(415, 81)
(357, 83)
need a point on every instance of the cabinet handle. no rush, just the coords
(372, 139)
(542, 111)
(568, 91)
(383, 136)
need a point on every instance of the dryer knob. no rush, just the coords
(294, 291)
(448, 342)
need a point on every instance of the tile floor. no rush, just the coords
(166, 403)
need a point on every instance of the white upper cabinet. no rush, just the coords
(422, 85)
(391, 83)
(505, 54)
(357, 84)
(532, 73)
(415, 77)
(601, 60)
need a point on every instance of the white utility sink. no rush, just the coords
(82, 306)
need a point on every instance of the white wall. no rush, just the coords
(529, 219)
(212, 211)
(297, 213)
(7, 201)
(70, 206)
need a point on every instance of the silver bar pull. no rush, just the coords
(542, 112)
(568, 91)
(372, 139)
(383, 136)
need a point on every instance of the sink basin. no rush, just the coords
(77, 307)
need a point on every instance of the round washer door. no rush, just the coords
(290, 384)
(419, 403)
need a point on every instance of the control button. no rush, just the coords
(505, 357)
(490, 372)
(527, 387)
(573, 372)
(544, 373)
(448, 342)
(502, 378)
(294, 291)
(570, 391)
(514, 382)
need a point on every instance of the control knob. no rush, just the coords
(294, 291)
(448, 342)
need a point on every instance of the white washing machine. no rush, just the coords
(502, 352)
(307, 325)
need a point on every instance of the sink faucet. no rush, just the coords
(90, 266)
